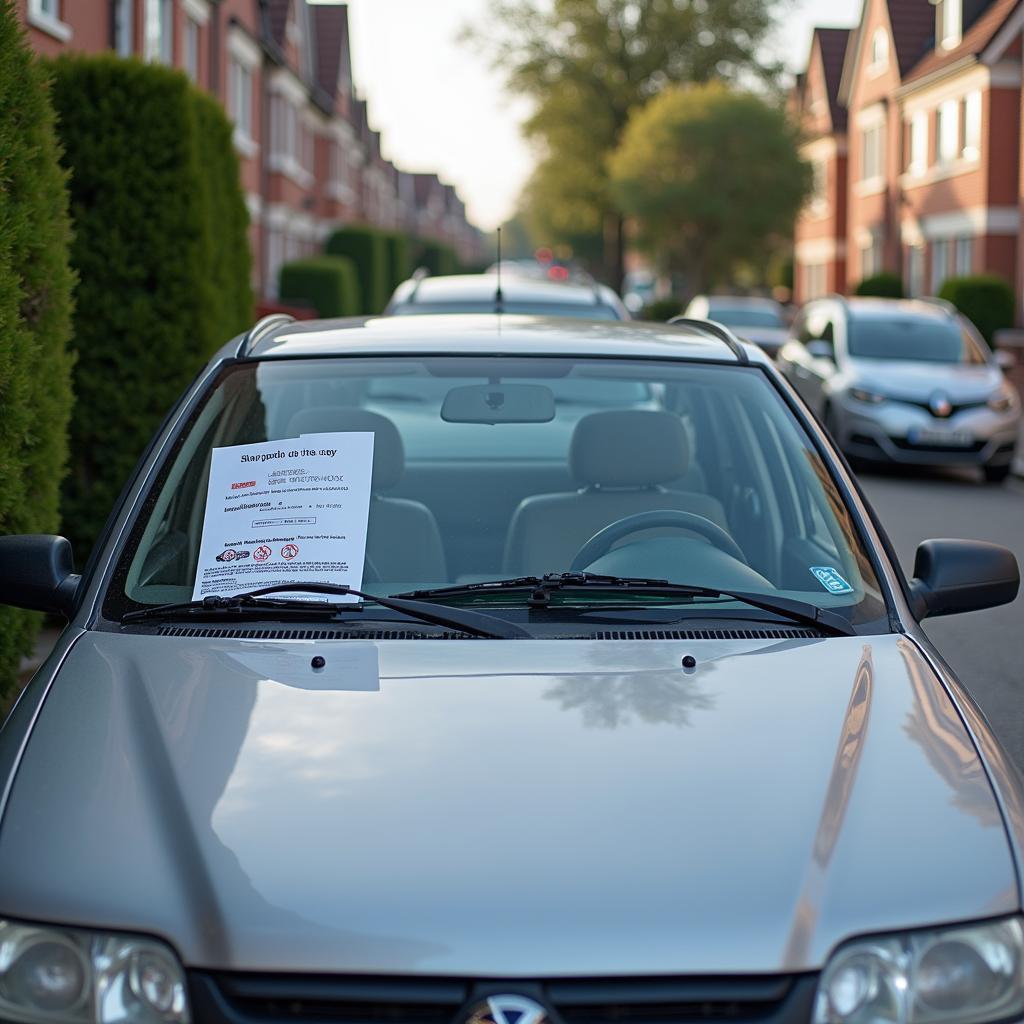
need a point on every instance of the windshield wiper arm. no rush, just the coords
(541, 588)
(464, 620)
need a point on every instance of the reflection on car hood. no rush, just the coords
(919, 381)
(534, 808)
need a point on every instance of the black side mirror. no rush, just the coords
(37, 572)
(952, 576)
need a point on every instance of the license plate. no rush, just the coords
(950, 438)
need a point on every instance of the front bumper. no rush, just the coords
(900, 433)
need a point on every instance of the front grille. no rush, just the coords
(293, 999)
(946, 449)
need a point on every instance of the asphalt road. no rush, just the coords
(985, 648)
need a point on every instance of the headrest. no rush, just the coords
(629, 448)
(388, 453)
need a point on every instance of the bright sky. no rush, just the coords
(441, 109)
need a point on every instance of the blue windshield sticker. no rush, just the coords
(830, 579)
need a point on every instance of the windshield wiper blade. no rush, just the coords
(464, 620)
(541, 588)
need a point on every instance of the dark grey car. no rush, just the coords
(633, 718)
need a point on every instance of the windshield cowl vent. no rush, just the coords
(235, 633)
(709, 634)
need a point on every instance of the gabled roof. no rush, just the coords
(330, 32)
(833, 43)
(977, 36)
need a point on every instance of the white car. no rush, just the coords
(749, 317)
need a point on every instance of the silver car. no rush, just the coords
(753, 318)
(904, 381)
(631, 718)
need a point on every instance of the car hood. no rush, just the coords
(489, 808)
(919, 381)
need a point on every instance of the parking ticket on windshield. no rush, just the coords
(285, 511)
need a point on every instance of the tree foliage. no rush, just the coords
(985, 299)
(162, 257)
(35, 314)
(713, 177)
(586, 65)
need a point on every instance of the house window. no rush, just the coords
(124, 27)
(45, 15)
(879, 51)
(950, 16)
(275, 259)
(915, 270)
(940, 268)
(815, 281)
(970, 136)
(871, 255)
(240, 98)
(191, 49)
(918, 144)
(158, 41)
(819, 183)
(948, 131)
(47, 8)
(872, 149)
(963, 257)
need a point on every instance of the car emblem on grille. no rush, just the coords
(940, 405)
(506, 1009)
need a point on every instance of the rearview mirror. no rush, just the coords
(953, 576)
(37, 572)
(821, 350)
(499, 403)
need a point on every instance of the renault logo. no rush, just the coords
(506, 1009)
(940, 405)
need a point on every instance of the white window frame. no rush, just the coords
(970, 135)
(190, 54)
(240, 86)
(879, 54)
(45, 16)
(915, 270)
(947, 132)
(124, 27)
(963, 256)
(940, 266)
(158, 32)
(872, 155)
(918, 144)
(951, 23)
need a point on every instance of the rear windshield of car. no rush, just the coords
(458, 500)
(915, 339)
(574, 310)
(733, 317)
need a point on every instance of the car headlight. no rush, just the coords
(961, 975)
(69, 976)
(862, 395)
(1001, 401)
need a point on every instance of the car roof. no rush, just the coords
(870, 308)
(463, 287)
(489, 334)
(741, 302)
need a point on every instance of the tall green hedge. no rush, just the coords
(35, 315)
(328, 284)
(368, 250)
(162, 257)
(399, 267)
(885, 285)
(985, 299)
(438, 259)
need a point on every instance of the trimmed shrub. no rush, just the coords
(398, 258)
(985, 299)
(35, 315)
(162, 257)
(369, 252)
(661, 310)
(439, 259)
(328, 284)
(885, 286)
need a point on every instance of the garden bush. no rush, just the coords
(884, 285)
(35, 315)
(985, 299)
(438, 259)
(368, 250)
(661, 310)
(328, 284)
(162, 257)
(398, 258)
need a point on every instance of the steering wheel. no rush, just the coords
(602, 541)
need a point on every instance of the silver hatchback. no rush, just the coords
(903, 381)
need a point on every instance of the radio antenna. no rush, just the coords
(499, 299)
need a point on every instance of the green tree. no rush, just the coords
(35, 314)
(588, 64)
(713, 177)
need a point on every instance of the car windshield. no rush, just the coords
(916, 339)
(734, 316)
(581, 444)
(574, 310)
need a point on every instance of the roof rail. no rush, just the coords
(716, 330)
(934, 300)
(260, 328)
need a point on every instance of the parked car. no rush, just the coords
(487, 293)
(904, 381)
(761, 321)
(631, 718)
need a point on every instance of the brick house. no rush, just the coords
(309, 160)
(820, 243)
